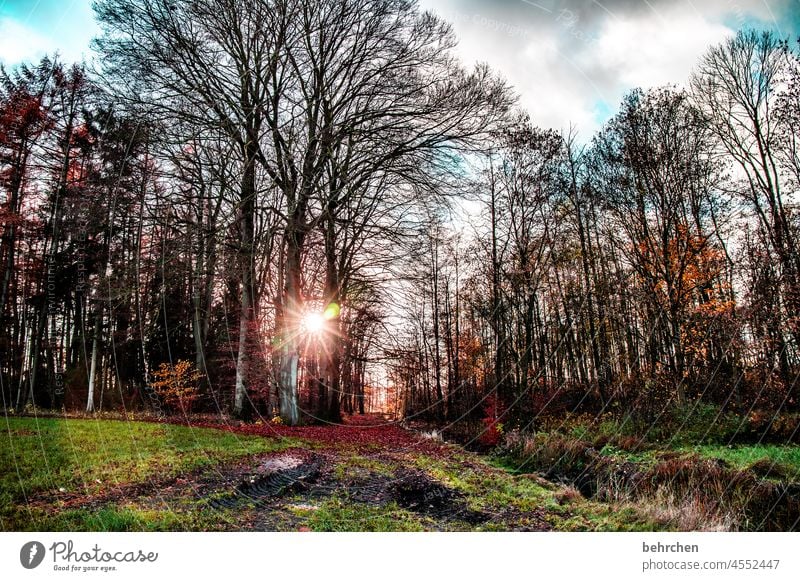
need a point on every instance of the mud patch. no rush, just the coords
(273, 478)
(416, 491)
(309, 478)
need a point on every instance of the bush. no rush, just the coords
(492, 427)
(558, 398)
(767, 391)
(176, 385)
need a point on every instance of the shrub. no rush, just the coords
(766, 390)
(699, 422)
(492, 427)
(176, 385)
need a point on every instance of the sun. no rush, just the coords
(313, 322)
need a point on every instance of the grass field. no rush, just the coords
(48, 456)
(105, 475)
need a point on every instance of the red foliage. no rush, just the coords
(492, 426)
(359, 432)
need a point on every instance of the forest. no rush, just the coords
(289, 216)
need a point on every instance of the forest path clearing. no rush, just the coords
(360, 476)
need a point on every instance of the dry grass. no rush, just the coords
(686, 491)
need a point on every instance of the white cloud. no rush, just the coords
(19, 43)
(554, 88)
(654, 49)
(572, 62)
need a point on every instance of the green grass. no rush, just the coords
(127, 518)
(486, 488)
(691, 424)
(340, 515)
(646, 457)
(597, 517)
(87, 456)
(354, 465)
(785, 457)
(698, 429)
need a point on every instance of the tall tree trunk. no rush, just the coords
(246, 263)
(331, 350)
(437, 356)
(293, 307)
(93, 367)
(496, 316)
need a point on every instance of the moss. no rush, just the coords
(354, 465)
(340, 515)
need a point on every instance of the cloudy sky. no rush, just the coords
(570, 61)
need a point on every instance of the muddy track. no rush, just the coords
(273, 483)
(263, 492)
(410, 489)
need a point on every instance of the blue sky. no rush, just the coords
(29, 29)
(571, 61)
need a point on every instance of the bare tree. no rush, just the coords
(737, 84)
